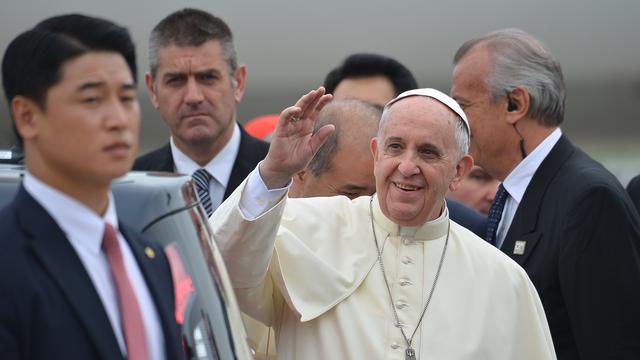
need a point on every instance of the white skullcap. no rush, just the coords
(435, 94)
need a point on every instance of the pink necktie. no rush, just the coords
(130, 315)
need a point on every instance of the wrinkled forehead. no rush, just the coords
(416, 113)
(428, 93)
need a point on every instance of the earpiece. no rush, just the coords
(511, 106)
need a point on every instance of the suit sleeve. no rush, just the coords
(599, 274)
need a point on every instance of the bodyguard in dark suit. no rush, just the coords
(558, 213)
(196, 83)
(75, 282)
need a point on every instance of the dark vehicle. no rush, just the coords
(165, 208)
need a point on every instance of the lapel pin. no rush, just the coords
(149, 252)
(519, 247)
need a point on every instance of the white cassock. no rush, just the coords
(309, 268)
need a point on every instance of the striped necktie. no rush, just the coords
(202, 179)
(495, 214)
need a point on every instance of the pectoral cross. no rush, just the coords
(410, 354)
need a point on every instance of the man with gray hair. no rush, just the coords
(387, 276)
(558, 213)
(196, 83)
(343, 165)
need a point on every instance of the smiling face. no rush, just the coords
(416, 160)
(87, 133)
(197, 94)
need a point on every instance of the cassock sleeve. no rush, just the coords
(247, 244)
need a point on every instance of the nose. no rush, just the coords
(407, 166)
(119, 114)
(194, 94)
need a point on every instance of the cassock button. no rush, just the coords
(395, 346)
(408, 241)
(407, 260)
(405, 282)
(401, 304)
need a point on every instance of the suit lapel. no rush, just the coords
(242, 165)
(60, 260)
(166, 159)
(524, 234)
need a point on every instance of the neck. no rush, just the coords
(91, 192)
(533, 134)
(203, 152)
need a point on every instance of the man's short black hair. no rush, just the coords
(33, 60)
(367, 65)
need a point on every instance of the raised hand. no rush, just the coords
(294, 143)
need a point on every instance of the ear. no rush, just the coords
(297, 186)
(240, 77)
(151, 91)
(463, 168)
(374, 148)
(521, 101)
(25, 115)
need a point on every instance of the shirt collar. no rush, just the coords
(430, 230)
(219, 167)
(518, 180)
(82, 226)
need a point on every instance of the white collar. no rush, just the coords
(219, 167)
(518, 180)
(430, 230)
(82, 226)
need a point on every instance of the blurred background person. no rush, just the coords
(196, 83)
(343, 165)
(372, 78)
(477, 190)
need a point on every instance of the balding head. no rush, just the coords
(343, 165)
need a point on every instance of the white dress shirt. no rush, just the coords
(219, 167)
(518, 180)
(84, 229)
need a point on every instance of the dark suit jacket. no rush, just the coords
(582, 254)
(251, 152)
(49, 308)
(467, 217)
(634, 191)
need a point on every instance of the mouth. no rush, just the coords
(118, 149)
(194, 115)
(407, 187)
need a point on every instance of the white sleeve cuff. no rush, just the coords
(256, 199)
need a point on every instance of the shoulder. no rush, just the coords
(633, 188)
(154, 160)
(252, 145)
(483, 259)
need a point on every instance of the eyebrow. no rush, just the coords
(185, 73)
(392, 139)
(102, 84)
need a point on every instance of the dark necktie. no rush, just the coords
(495, 214)
(202, 179)
(130, 315)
